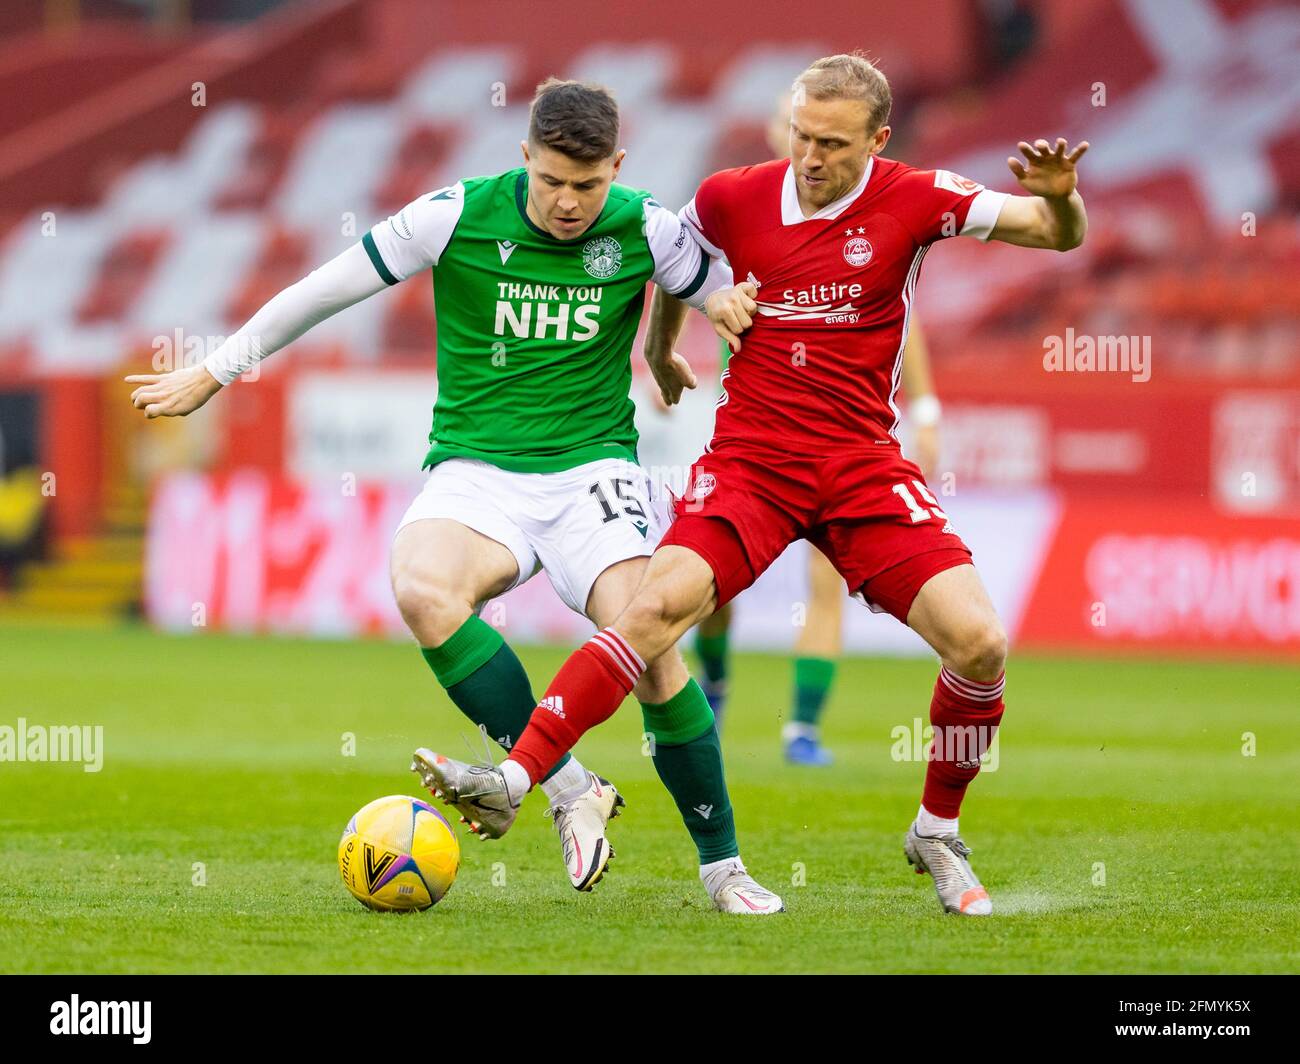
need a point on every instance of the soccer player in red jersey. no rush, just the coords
(830, 243)
(820, 639)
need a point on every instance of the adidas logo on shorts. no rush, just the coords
(555, 703)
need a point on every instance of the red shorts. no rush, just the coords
(869, 511)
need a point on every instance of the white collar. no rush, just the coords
(792, 213)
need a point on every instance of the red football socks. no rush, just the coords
(587, 690)
(965, 715)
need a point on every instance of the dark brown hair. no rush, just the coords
(574, 118)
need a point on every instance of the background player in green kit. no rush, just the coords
(539, 277)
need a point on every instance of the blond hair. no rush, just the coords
(851, 76)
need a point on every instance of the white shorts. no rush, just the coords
(574, 524)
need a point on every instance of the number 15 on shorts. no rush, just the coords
(919, 513)
(623, 489)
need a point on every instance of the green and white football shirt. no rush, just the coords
(535, 333)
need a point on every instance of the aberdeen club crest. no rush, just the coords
(857, 251)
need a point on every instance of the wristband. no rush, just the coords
(924, 411)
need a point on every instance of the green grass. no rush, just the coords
(227, 751)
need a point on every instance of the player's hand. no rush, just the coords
(731, 311)
(173, 394)
(672, 373)
(1048, 172)
(925, 447)
(656, 398)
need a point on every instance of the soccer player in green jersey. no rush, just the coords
(539, 279)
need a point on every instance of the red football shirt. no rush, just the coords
(821, 363)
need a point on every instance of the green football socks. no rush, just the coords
(486, 680)
(688, 758)
(712, 650)
(812, 683)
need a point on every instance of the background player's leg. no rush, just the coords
(683, 737)
(712, 639)
(816, 651)
(441, 570)
(953, 613)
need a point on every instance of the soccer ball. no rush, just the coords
(398, 854)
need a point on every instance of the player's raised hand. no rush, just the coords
(173, 394)
(672, 374)
(731, 311)
(1047, 171)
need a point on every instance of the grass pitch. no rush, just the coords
(1123, 830)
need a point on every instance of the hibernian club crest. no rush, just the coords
(602, 256)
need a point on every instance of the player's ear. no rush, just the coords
(523, 146)
(879, 139)
(618, 160)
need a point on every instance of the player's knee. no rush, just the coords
(431, 607)
(647, 612)
(655, 619)
(983, 654)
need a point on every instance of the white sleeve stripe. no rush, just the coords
(692, 218)
(983, 214)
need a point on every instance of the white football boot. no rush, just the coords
(581, 822)
(478, 791)
(944, 857)
(733, 890)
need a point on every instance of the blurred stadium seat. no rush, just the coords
(267, 180)
(133, 208)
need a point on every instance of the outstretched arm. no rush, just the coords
(396, 248)
(346, 279)
(1052, 215)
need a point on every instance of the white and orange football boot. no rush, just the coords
(944, 857)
